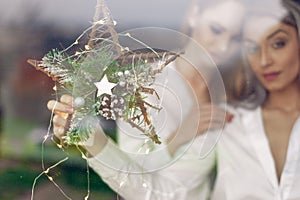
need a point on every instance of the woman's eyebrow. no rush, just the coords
(276, 32)
(268, 37)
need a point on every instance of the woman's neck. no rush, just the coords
(287, 99)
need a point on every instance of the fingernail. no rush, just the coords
(229, 118)
(70, 110)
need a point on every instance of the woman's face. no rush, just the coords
(272, 50)
(217, 28)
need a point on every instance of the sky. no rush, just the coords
(72, 13)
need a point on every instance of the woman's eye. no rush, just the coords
(279, 44)
(216, 29)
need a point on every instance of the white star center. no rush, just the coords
(104, 87)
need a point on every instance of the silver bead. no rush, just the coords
(126, 72)
(79, 102)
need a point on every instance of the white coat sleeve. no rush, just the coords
(157, 175)
(184, 177)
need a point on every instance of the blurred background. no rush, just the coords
(29, 29)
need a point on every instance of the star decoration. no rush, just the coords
(104, 86)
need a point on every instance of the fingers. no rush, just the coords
(59, 121)
(213, 118)
(60, 107)
(67, 99)
(59, 124)
(59, 132)
(215, 112)
(62, 110)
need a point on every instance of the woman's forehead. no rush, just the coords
(265, 7)
(261, 27)
(258, 25)
(228, 14)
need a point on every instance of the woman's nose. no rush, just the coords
(265, 58)
(223, 45)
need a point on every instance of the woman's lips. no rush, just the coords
(271, 76)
